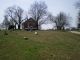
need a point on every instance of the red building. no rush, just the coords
(30, 24)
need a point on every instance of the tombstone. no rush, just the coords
(25, 38)
(36, 33)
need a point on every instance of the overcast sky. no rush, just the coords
(54, 6)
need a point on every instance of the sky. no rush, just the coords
(54, 6)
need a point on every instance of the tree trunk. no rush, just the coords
(37, 25)
(19, 26)
(63, 28)
(19, 23)
(59, 28)
(15, 26)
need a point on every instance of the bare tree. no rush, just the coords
(50, 17)
(78, 19)
(38, 10)
(10, 12)
(15, 14)
(18, 14)
(78, 7)
(61, 21)
(6, 22)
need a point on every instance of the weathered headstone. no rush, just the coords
(26, 38)
(36, 33)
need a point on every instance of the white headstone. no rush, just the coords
(36, 33)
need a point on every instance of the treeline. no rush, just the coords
(15, 15)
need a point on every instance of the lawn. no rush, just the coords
(47, 45)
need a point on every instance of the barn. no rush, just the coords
(30, 24)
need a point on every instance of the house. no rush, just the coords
(30, 24)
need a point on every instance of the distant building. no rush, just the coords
(29, 24)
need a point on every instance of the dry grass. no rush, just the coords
(47, 45)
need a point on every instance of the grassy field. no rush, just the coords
(47, 45)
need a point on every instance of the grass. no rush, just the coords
(47, 45)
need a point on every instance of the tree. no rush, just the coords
(38, 10)
(78, 7)
(15, 14)
(10, 12)
(50, 17)
(18, 14)
(6, 22)
(79, 19)
(61, 20)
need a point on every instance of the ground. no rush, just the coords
(47, 45)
